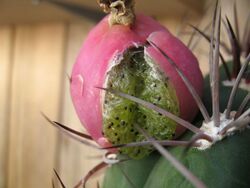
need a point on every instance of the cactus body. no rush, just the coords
(226, 164)
(116, 175)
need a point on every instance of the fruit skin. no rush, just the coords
(103, 44)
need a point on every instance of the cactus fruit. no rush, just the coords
(118, 57)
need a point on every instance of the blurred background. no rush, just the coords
(39, 42)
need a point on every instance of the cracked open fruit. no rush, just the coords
(119, 57)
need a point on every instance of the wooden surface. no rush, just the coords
(35, 87)
(6, 40)
(34, 62)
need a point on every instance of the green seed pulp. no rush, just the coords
(137, 75)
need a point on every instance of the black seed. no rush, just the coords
(146, 128)
(159, 114)
(136, 133)
(117, 118)
(125, 108)
(159, 98)
(106, 102)
(154, 103)
(118, 139)
(110, 125)
(116, 134)
(154, 85)
(123, 76)
(132, 130)
(144, 116)
(110, 85)
(123, 123)
(138, 152)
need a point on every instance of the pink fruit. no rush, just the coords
(108, 53)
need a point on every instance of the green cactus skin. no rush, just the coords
(137, 75)
(225, 164)
(133, 169)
